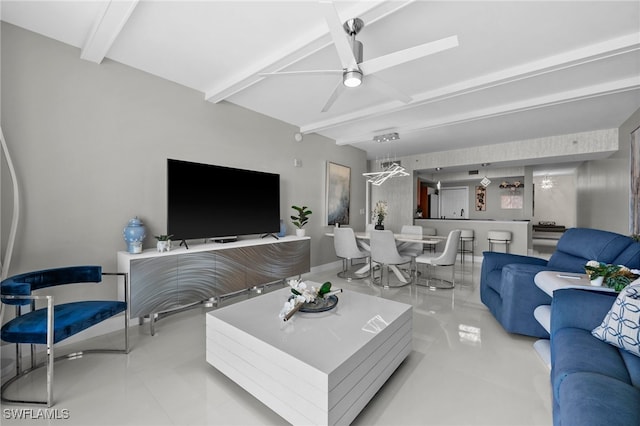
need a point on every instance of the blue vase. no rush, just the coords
(283, 229)
(134, 234)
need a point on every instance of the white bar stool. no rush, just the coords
(499, 237)
(466, 236)
(426, 232)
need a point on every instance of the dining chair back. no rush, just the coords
(446, 258)
(346, 246)
(384, 252)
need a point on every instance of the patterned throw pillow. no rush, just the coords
(621, 325)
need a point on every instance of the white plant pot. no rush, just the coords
(300, 232)
(163, 246)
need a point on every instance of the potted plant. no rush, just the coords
(300, 219)
(379, 213)
(164, 242)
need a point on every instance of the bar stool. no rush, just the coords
(427, 232)
(466, 236)
(499, 237)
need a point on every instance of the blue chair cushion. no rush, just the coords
(69, 319)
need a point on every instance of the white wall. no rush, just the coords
(603, 186)
(90, 144)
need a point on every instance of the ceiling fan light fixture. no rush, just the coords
(352, 78)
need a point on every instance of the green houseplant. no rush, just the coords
(300, 219)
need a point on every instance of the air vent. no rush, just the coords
(473, 172)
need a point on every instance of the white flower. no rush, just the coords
(288, 306)
(593, 263)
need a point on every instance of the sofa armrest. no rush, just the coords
(578, 308)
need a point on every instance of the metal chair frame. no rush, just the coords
(397, 260)
(50, 358)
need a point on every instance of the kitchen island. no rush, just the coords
(520, 232)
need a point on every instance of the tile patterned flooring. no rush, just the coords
(464, 370)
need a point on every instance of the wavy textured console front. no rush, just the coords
(162, 282)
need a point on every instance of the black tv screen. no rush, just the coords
(209, 201)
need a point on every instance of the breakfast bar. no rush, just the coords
(520, 232)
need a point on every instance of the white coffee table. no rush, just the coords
(316, 368)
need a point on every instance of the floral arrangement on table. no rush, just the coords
(301, 294)
(616, 277)
(380, 211)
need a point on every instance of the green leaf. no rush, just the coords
(296, 292)
(324, 289)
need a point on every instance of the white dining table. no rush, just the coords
(363, 236)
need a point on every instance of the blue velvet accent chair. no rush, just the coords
(507, 284)
(53, 323)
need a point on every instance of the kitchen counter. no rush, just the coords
(520, 232)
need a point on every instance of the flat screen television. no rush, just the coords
(209, 201)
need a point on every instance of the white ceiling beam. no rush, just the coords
(577, 57)
(597, 90)
(106, 29)
(303, 47)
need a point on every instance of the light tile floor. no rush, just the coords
(464, 370)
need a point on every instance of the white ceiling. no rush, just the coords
(523, 69)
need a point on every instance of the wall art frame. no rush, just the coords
(337, 194)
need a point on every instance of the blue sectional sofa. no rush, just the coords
(593, 382)
(507, 284)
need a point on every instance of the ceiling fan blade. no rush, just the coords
(385, 88)
(336, 93)
(302, 72)
(340, 38)
(401, 56)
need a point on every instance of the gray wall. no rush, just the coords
(556, 204)
(603, 186)
(90, 144)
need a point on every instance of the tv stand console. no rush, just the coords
(165, 282)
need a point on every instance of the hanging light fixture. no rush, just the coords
(388, 169)
(547, 183)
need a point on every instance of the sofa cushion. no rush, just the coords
(621, 325)
(594, 399)
(576, 350)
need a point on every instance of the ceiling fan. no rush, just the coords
(350, 53)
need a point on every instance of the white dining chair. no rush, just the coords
(447, 258)
(411, 249)
(344, 242)
(384, 252)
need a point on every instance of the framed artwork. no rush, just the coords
(481, 198)
(338, 194)
(511, 202)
